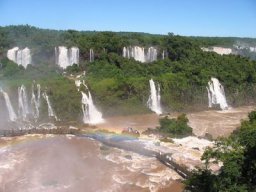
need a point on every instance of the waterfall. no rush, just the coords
(90, 113)
(26, 57)
(11, 54)
(35, 101)
(138, 53)
(154, 98)
(151, 54)
(73, 55)
(91, 55)
(135, 52)
(125, 52)
(216, 94)
(163, 55)
(66, 57)
(78, 84)
(12, 115)
(63, 60)
(20, 56)
(209, 97)
(50, 110)
(23, 102)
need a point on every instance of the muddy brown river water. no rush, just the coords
(66, 163)
(51, 163)
(217, 123)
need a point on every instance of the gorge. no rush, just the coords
(105, 114)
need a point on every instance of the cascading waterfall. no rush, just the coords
(216, 94)
(25, 108)
(78, 84)
(151, 54)
(154, 100)
(23, 102)
(164, 54)
(50, 110)
(35, 100)
(139, 53)
(91, 55)
(125, 53)
(12, 114)
(73, 55)
(91, 115)
(66, 57)
(12, 54)
(20, 56)
(62, 58)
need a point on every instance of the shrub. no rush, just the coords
(176, 127)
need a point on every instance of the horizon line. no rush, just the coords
(100, 31)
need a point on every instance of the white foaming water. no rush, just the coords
(50, 110)
(91, 55)
(12, 114)
(193, 142)
(35, 101)
(216, 94)
(138, 53)
(23, 102)
(154, 98)
(78, 84)
(90, 113)
(66, 57)
(20, 56)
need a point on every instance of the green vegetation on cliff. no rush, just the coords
(120, 85)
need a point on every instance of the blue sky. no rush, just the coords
(183, 17)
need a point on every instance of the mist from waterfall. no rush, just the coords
(66, 57)
(23, 102)
(216, 94)
(91, 115)
(11, 113)
(139, 53)
(20, 56)
(154, 100)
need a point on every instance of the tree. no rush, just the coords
(237, 153)
(176, 127)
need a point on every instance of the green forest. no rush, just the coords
(120, 85)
